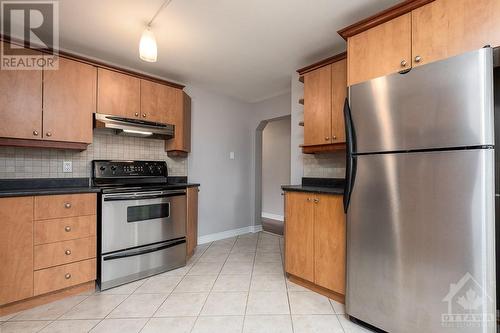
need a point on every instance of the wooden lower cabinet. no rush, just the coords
(315, 239)
(60, 277)
(192, 220)
(59, 253)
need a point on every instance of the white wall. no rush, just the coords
(275, 166)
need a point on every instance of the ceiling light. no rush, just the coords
(148, 51)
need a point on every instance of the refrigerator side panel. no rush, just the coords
(444, 104)
(421, 236)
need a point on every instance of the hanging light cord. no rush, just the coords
(164, 4)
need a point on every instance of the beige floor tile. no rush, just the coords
(338, 307)
(272, 282)
(120, 325)
(263, 268)
(243, 249)
(316, 324)
(95, 307)
(23, 326)
(169, 325)
(269, 247)
(213, 257)
(125, 289)
(294, 287)
(261, 257)
(267, 324)
(252, 235)
(50, 311)
(228, 324)
(162, 284)
(182, 304)
(306, 303)
(241, 257)
(350, 327)
(232, 283)
(206, 268)
(196, 283)
(138, 306)
(7, 317)
(216, 251)
(178, 271)
(225, 304)
(73, 326)
(237, 268)
(267, 302)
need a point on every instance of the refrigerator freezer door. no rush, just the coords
(420, 239)
(444, 104)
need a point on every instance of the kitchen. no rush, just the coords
(129, 182)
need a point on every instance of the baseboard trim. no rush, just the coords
(228, 234)
(273, 216)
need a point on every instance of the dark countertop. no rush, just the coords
(318, 185)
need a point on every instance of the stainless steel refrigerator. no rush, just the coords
(420, 198)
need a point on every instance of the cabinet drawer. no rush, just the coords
(57, 206)
(54, 254)
(59, 277)
(50, 231)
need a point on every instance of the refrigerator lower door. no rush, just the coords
(421, 252)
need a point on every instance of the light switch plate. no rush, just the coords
(231, 155)
(67, 166)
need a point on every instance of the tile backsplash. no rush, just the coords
(48, 163)
(331, 165)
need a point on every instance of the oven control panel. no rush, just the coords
(124, 169)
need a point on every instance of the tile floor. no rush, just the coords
(232, 285)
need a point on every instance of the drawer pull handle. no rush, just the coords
(67, 228)
(67, 252)
(67, 276)
(67, 205)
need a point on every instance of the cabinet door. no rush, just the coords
(445, 28)
(192, 220)
(330, 243)
(181, 118)
(379, 51)
(339, 93)
(318, 106)
(118, 94)
(21, 106)
(158, 101)
(299, 235)
(16, 249)
(69, 100)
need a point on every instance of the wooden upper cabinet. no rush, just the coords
(339, 94)
(330, 243)
(159, 102)
(16, 249)
(299, 235)
(381, 50)
(180, 116)
(69, 100)
(318, 106)
(21, 105)
(118, 94)
(445, 28)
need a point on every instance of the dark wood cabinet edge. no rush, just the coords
(382, 17)
(43, 144)
(314, 287)
(177, 153)
(99, 64)
(320, 64)
(321, 149)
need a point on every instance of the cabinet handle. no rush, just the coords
(334, 137)
(308, 199)
(418, 59)
(316, 200)
(67, 276)
(327, 138)
(143, 115)
(35, 133)
(67, 228)
(137, 114)
(67, 205)
(67, 252)
(49, 134)
(403, 63)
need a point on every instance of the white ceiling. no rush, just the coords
(244, 49)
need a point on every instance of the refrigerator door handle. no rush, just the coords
(351, 167)
(350, 134)
(351, 160)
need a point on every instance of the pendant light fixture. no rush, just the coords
(148, 51)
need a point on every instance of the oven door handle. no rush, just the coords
(138, 252)
(143, 197)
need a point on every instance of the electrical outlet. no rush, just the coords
(67, 166)
(231, 155)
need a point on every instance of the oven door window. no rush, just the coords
(148, 212)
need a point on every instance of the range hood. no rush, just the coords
(134, 127)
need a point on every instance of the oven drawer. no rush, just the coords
(59, 253)
(126, 266)
(57, 206)
(50, 231)
(59, 277)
